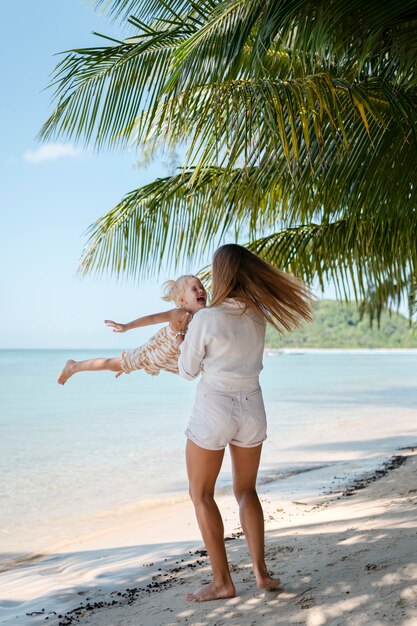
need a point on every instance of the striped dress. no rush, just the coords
(159, 353)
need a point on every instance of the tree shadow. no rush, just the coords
(345, 562)
(344, 569)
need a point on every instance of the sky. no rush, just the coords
(51, 193)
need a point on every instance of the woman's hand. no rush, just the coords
(180, 326)
(117, 328)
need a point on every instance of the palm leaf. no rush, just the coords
(101, 91)
(183, 216)
(300, 123)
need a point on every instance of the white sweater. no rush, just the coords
(225, 345)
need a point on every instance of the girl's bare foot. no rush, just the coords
(212, 592)
(267, 583)
(67, 372)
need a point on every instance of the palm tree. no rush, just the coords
(298, 124)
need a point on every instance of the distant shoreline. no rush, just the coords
(277, 351)
(272, 351)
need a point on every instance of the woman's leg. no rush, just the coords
(203, 467)
(90, 365)
(245, 462)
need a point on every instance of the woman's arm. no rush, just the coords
(173, 315)
(192, 348)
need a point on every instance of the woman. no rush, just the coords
(225, 343)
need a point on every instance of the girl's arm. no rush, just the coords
(173, 315)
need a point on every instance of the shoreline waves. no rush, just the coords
(345, 557)
(94, 494)
(115, 521)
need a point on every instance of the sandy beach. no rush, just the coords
(345, 558)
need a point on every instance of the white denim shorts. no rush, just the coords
(222, 417)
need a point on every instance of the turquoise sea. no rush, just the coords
(74, 459)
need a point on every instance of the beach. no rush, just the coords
(348, 557)
(97, 527)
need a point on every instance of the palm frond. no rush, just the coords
(101, 91)
(300, 123)
(351, 253)
(124, 9)
(378, 298)
(368, 34)
(183, 217)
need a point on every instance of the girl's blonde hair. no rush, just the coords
(283, 300)
(174, 289)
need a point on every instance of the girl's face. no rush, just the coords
(194, 296)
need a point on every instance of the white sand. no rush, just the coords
(345, 561)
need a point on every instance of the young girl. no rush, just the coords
(161, 351)
(225, 344)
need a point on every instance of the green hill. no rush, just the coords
(337, 325)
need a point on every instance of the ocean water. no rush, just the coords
(77, 459)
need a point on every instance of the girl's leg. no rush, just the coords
(203, 467)
(90, 365)
(245, 462)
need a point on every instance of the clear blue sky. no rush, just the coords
(48, 199)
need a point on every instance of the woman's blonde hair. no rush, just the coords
(174, 289)
(283, 300)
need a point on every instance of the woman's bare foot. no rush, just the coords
(267, 583)
(212, 592)
(67, 372)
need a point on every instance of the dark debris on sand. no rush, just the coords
(165, 579)
(160, 581)
(360, 483)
